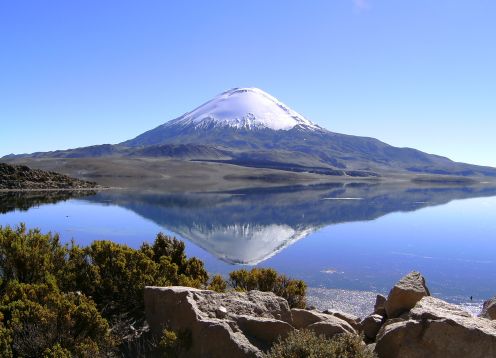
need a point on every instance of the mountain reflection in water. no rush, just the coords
(249, 226)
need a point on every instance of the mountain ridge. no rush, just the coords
(248, 127)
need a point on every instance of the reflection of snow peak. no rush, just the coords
(243, 244)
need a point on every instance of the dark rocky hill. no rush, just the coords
(22, 177)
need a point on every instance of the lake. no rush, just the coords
(348, 241)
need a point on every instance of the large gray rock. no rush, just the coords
(437, 329)
(230, 324)
(489, 309)
(331, 326)
(265, 331)
(352, 320)
(303, 318)
(370, 325)
(405, 294)
(332, 321)
(380, 305)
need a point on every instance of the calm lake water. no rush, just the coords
(348, 241)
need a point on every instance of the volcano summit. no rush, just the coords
(243, 108)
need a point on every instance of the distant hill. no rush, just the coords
(22, 177)
(249, 128)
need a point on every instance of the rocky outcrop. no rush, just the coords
(18, 177)
(328, 323)
(352, 320)
(234, 324)
(246, 324)
(303, 318)
(370, 325)
(331, 326)
(437, 329)
(263, 331)
(489, 309)
(405, 294)
(380, 305)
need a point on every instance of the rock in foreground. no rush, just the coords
(437, 329)
(233, 324)
(247, 324)
(405, 294)
(489, 309)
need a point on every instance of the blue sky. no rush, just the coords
(416, 73)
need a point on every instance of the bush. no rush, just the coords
(42, 320)
(29, 256)
(307, 344)
(57, 299)
(268, 280)
(113, 275)
(60, 300)
(172, 343)
(217, 284)
(5, 340)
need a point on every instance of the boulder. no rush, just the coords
(437, 329)
(352, 320)
(233, 324)
(405, 294)
(380, 305)
(265, 331)
(331, 326)
(489, 309)
(370, 325)
(303, 318)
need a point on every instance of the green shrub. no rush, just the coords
(5, 339)
(43, 320)
(110, 278)
(30, 256)
(217, 284)
(268, 280)
(59, 300)
(57, 352)
(307, 344)
(174, 267)
(113, 275)
(172, 343)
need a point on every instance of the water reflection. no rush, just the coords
(24, 200)
(249, 226)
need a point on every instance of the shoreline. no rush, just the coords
(57, 189)
(361, 303)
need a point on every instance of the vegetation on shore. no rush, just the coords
(64, 300)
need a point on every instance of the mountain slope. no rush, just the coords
(238, 109)
(250, 121)
(248, 127)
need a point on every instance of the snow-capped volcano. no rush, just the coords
(244, 108)
(247, 127)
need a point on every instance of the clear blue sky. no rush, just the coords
(416, 73)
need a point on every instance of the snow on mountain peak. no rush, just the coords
(244, 108)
